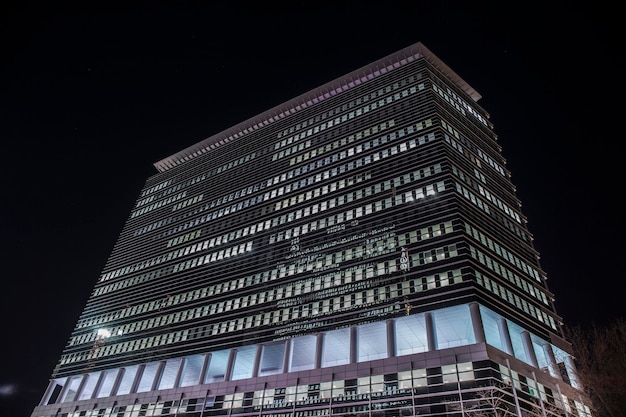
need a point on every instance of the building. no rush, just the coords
(356, 251)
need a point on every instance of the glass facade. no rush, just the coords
(358, 250)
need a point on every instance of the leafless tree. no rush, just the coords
(489, 401)
(600, 357)
(544, 410)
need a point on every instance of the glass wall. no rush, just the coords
(450, 327)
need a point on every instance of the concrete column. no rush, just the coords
(514, 390)
(81, 386)
(554, 368)
(505, 337)
(98, 385)
(118, 381)
(391, 339)
(179, 373)
(48, 398)
(431, 332)
(138, 375)
(157, 376)
(205, 367)
(543, 410)
(232, 355)
(477, 322)
(353, 344)
(257, 361)
(319, 350)
(529, 349)
(64, 390)
(558, 388)
(571, 371)
(287, 355)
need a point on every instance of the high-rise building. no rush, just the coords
(356, 251)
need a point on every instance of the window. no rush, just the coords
(148, 376)
(272, 357)
(128, 378)
(217, 366)
(191, 370)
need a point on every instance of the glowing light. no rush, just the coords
(7, 390)
(103, 333)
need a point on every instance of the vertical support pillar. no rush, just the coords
(138, 376)
(157, 376)
(98, 385)
(554, 368)
(543, 409)
(558, 388)
(118, 381)
(477, 322)
(81, 386)
(49, 397)
(257, 361)
(505, 337)
(64, 389)
(204, 368)
(529, 349)
(391, 339)
(232, 355)
(353, 344)
(514, 389)
(571, 372)
(287, 356)
(319, 349)
(179, 373)
(431, 333)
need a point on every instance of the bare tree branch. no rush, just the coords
(600, 356)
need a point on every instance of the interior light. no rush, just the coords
(103, 333)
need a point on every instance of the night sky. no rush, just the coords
(92, 96)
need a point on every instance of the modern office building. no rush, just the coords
(356, 251)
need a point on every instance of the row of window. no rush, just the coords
(301, 170)
(273, 194)
(458, 103)
(487, 194)
(345, 107)
(493, 164)
(158, 204)
(215, 142)
(155, 188)
(312, 284)
(189, 202)
(410, 334)
(449, 327)
(323, 126)
(165, 193)
(515, 300)
(355, 298)
(286, 271)
(350, 116)
(478, 202)
(294, 267)
(503, 253)
(508, 275)
(395, 401)
(184, 238)
(256, 279)
(318, 164)
(329, 146)
(247, 247)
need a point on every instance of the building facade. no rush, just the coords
(356, 251)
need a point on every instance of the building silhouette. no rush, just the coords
(356, 251)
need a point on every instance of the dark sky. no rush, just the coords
(92, 96)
